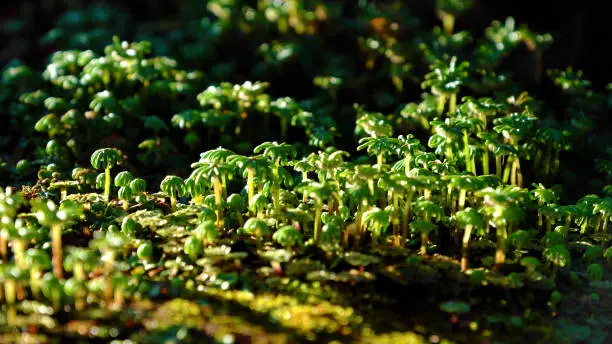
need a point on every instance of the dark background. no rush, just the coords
(581, 29)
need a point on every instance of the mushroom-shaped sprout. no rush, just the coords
(595, 272)
(558, 256)
(125, 194)
(193, 247)
(11, 275)
(129, 226)
(530, 263)
(608, 254)
(330, 233)
(256, 227)
(123, 178)
(237, 205)
(37, 261)
(174, 187)
(423, 227)
(454, 308)
(138, 185)
(52, 289)
(106, 158)
(207, 231)
(258, 204)
(287, 236)
(593, 253)
(207, 214)
(145, 251)
(555, 298)
(553, 239)
(519, 239)
(100, 178)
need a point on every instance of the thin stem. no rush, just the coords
(424, 240)
(18, 249)
(3, 246)
(498, 165)
(441, 102)
(462, 193)
(35, 282)
(452, 104)
(250, 184)
(485, 162)
(395, 219)
(465, 247)
(218, 201)
(107, 184)
(317, 221)
(448, 22)
(56, 246)
(466, 152)
(10, 295)
(406, 217)
(500, 255)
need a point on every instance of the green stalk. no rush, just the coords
(540, 220)
(108, 282)
(107, 184)
(466, 152)
(119, 298)
(462, 193)
(3, 246)
(371, 186)
(424, 240)
(395, 219)
(604, 234)
(10, 295)
(466, 241)
(448, 151)
(218, 201)
(359, 222)
(250, 184)
(172, 202)
(441, 101)
(452, 104)
(275, 187)
(516, 165)
(224, 186)
(79, 274)
(448, 22)
(380, 160)
(18, 249)
(284, 124)
(500, 255)
(317, 221)
(56, 247)
(427, 194)
(498, 165)
(35, 282)
(485, 162)
(406, 217)
(304, 194)
(407, 164)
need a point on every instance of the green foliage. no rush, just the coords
(298, 100)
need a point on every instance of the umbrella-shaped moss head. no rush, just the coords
(256, 227)
(288, 236)
(455, 307)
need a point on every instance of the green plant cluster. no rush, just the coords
(161, 169)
